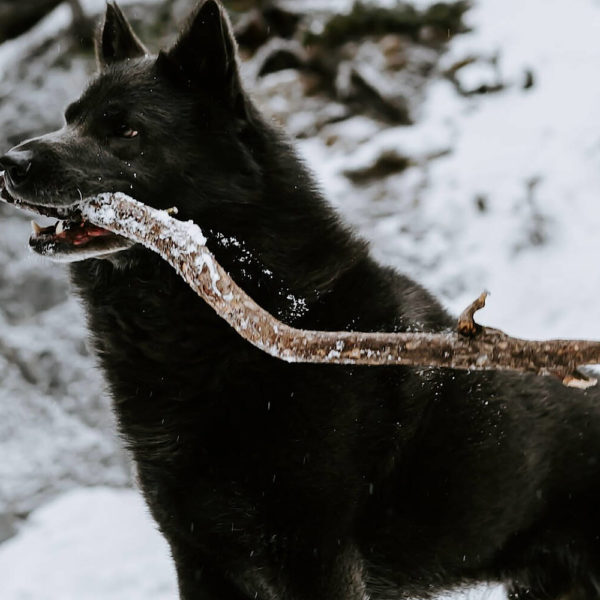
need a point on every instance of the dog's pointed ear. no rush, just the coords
(117, 40)
(205, 55)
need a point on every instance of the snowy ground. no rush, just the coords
(514, 206)
(89, 544)
(509, 204)
(101, 544)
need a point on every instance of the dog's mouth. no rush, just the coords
(73, 233)
(71, 238)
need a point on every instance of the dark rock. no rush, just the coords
(369, 92)
(280, 54)
(481, 202)
(252, 30)
(18, 17)
(370, 19)
(82, 27)
(282, 22)
(257, 26)
(387, 163)
(528, 79)
(8, 526)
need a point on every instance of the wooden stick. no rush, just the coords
(471, 347)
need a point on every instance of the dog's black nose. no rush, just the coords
(16, 164)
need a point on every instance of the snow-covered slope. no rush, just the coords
(89, 544)
(511, 204)
(101, 544)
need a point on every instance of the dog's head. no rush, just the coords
(167, 130)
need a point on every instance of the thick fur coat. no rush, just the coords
(281, 481)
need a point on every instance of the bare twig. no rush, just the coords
(470, 347)
(466, 323)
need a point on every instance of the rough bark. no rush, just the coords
(470, 347)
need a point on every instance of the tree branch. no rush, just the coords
(471, 347)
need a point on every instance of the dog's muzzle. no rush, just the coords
(16, 165)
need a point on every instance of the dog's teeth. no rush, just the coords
(60, 227)
(35, 228)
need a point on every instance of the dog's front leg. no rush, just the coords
(337, 577)
(340, 578)
(197, 582)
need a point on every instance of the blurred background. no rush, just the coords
(463, 140)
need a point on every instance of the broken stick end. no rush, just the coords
(466, 323)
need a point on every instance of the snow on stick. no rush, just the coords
(470, 347)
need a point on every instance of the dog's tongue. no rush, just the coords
(73, 231)
(70, 232)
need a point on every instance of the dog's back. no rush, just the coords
(273, 480)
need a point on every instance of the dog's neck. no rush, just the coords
(286, 223)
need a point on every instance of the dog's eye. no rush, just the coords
(128, 132)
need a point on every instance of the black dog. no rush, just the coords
(287, 481)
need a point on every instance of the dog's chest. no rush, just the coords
(182, 380)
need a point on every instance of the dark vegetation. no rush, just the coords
(436, 23)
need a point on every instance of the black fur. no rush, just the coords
(287, 481)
